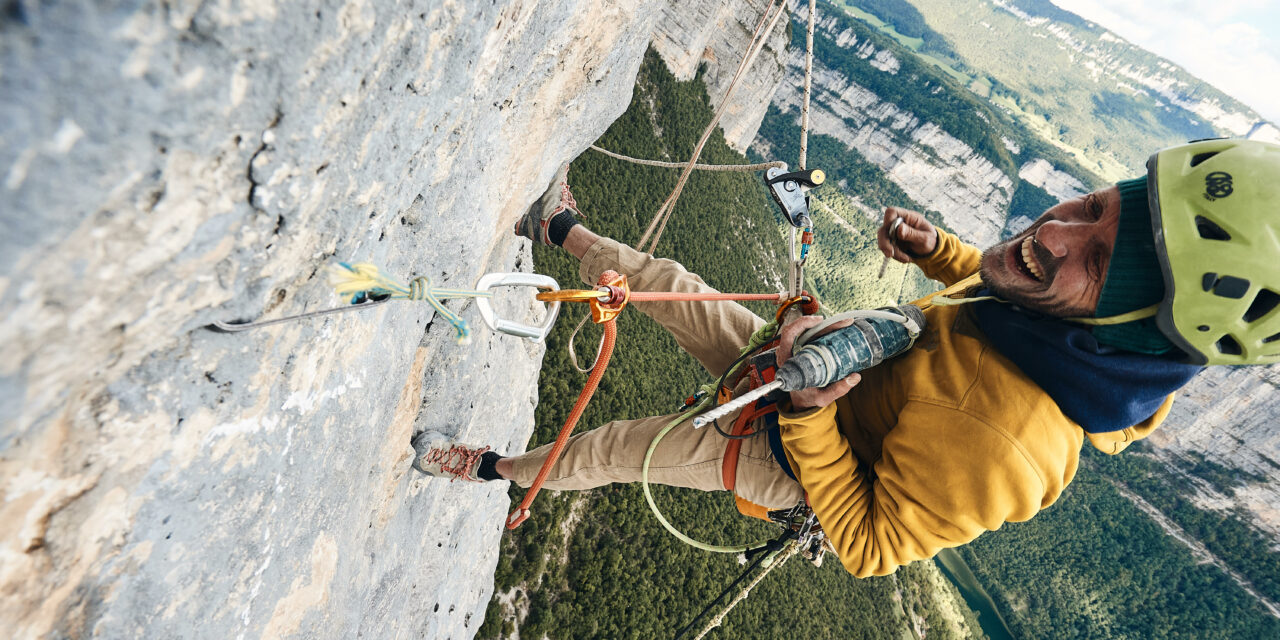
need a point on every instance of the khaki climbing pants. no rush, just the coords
(713, 333)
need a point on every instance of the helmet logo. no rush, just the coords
(1217, 185)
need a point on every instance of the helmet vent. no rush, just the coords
(1201, 157)
(1262, 305)
(1229, 347)
(1271, 338)
(1226, 286)
(1209, 230)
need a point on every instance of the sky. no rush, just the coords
(1232, 44)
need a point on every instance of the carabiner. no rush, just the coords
(531, 332)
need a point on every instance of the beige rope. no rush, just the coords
(746, 591)
(808, 85)
(796, 268)
(701, 167)
(758, 40)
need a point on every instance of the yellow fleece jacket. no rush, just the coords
(938, 445)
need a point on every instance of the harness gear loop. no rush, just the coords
(521, 513)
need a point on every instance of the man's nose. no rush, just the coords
(1057, 236)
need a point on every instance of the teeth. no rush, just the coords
(1030, 259)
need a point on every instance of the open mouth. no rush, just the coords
(1025, 261)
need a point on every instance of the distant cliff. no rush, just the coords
(713, 36)
(934, 168)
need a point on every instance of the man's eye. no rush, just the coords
(1094, 206)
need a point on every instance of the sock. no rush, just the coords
(488, 469)
(559, 225)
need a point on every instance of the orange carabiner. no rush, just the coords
(809, 305)
(571, 295)
(610, 304)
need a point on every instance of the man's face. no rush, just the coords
(1058, 264)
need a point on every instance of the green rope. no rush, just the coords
(363, 280)
(762, 335)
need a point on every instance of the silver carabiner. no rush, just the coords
(532, 333)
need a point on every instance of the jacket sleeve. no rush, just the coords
(944, 477)
(951, 261)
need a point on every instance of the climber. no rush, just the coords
(982, 422)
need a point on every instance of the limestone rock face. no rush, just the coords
(1059, 184)
(164, 165)
(1229, 415)
(716, 33)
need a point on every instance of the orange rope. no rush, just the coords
(597, 372)
(676, 296)
(606, 314)
(588, 295)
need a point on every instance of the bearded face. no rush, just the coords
(1058, 265)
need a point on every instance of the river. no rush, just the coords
(955, 569)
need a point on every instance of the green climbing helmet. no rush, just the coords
(1215, 210)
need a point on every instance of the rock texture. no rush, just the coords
(167, 164)
(1059, 184)
(714, 34)
(1229, 415)
(934, 168)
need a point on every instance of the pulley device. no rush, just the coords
(819, 360)
(791, 191)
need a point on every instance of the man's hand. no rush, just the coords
(809, 398)
(916, 236)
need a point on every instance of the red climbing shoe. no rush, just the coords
(440, 457)
(557, 198)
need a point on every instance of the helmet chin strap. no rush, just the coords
(943, 299)
(1136, 314)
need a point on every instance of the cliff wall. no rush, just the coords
(165, 165)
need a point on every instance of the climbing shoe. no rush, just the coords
(440, 457)
(551, 217)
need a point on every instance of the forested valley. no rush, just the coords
(597, 564)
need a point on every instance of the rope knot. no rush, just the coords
(420, 288)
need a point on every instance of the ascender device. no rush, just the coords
(790, 190)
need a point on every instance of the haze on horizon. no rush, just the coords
(1232, 44)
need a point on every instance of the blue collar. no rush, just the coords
(1100, 387)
